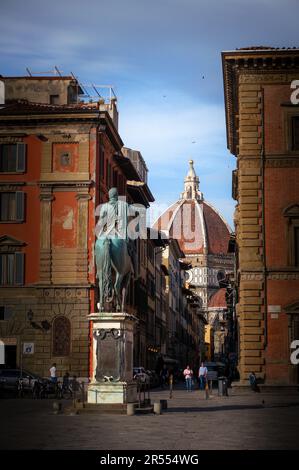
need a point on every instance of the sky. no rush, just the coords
(163, 59)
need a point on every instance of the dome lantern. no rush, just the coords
(191, 185)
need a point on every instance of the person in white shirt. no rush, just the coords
(53, 373)
(202, 375)
(188, 373)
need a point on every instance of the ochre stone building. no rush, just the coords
(263, 133)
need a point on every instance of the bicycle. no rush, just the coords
(63, 392)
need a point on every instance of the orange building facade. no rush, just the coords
(263, 133)
(57, 163)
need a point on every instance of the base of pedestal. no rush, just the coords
(112, 393)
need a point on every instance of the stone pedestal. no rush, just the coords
(112, 362)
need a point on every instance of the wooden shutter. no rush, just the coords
(21, 158)
(295, 132)
(20, 205)
(296, 243)
(19, 268)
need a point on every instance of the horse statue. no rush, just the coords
(112, 251)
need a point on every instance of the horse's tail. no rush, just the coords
(106, 270)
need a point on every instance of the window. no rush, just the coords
(107, 173)
(109, 176)
(102, 162)
(11, 269)
(12, 158)
(121, 189)
(296, 245)
(54, 99)
(61, 337)
(5, 312)
(295, 133)
(11, 206)
(150, 252)
(115, 178)
(292, 215)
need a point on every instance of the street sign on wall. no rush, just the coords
(28, 348)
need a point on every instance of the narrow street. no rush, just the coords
(240, 421)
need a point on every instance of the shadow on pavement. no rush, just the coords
(192, 409)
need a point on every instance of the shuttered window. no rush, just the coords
(12, 206)
(296, 245)
(102, 162)
(11, 269)
(295, 133)
(12, 158)
(19, 269)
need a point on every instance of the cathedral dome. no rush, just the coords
(194, 222)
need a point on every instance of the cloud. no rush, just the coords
(148, 50)
(171, 129)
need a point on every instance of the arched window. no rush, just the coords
(61, 337)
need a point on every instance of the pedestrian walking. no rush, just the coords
(253, 383)
(53, 377)
(202, 376)
(188, 374)
(66, 381)
(170, 380)
(163, 376)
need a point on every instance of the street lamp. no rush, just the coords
(44, 324)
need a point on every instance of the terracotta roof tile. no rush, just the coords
(187, 228)
(23, 107)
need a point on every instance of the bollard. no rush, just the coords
(207, 391)
(130, 409)
(157, 408)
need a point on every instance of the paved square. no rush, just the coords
(243, 420)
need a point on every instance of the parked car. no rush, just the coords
(139, 373)
(10, 378)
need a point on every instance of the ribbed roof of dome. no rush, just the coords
(195, 223)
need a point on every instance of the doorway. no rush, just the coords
(10, 352)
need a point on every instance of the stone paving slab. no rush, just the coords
(243, 420)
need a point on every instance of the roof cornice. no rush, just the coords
(259, 61)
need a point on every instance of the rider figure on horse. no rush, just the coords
(114, 248)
